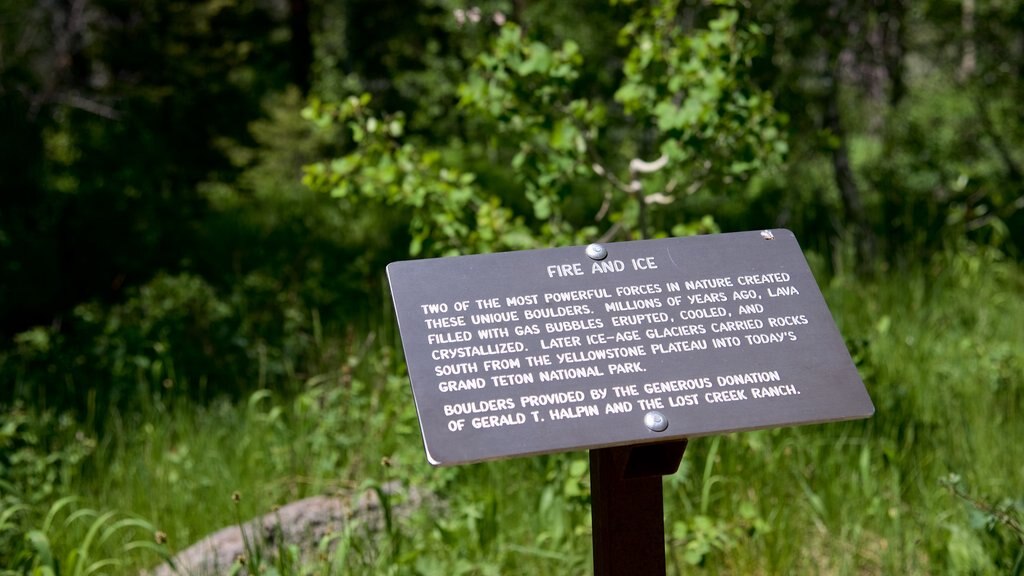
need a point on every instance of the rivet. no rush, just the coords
(597, 252)
(656, 421)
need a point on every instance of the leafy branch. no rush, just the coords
(1005, 513)
(685, 99)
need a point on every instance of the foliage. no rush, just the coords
(39, 455)
(684, 94)
(260, 334)
(448, 213)
(938, 174)
(100, 543)
(988, 519)
(295, 270)
(183, 318)
(695, 87)
(114, 121)
(163, 137)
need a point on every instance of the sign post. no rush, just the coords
(628, 507)
(625, 349)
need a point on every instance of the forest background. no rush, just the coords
(198, 199)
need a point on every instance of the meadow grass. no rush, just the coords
(941, 351)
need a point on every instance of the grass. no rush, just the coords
(941, 351)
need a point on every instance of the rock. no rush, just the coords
(304, 524)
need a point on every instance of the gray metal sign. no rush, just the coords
(576, 348)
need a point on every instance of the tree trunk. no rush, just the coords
(849, 192)
(969, 52)
(894, 47)
(301, 43)
(835, 36)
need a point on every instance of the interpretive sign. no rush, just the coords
(576, 348)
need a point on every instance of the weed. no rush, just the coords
(81, 541)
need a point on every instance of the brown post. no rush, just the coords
(628, 507)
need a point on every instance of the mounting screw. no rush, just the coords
(597, 252)
(656, 421)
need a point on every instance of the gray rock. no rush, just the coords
(304, 524)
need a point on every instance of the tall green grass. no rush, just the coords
(941, 350)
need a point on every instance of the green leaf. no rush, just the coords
(672, 117)
(726, 19)
(41, 544)
(633, 95)
(563, 135)
(542, 208)
(538, 60)
(570, 48)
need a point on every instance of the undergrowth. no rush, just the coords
(939, 350)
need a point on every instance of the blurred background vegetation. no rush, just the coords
(198, 199)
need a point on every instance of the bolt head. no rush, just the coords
(597, 252)
(655, 421)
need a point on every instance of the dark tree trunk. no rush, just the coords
(301, 44)
(835, 34)
(894, 15)
(519, 12)
(849, 191)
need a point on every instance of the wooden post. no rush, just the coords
(628, 507)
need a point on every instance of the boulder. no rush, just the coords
(303, 524)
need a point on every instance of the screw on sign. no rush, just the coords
(624, 349)
(597, 252)
(656, 421)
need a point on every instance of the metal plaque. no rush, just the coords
(575, 348)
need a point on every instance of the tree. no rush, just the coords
(684, 116)
(113, 114)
